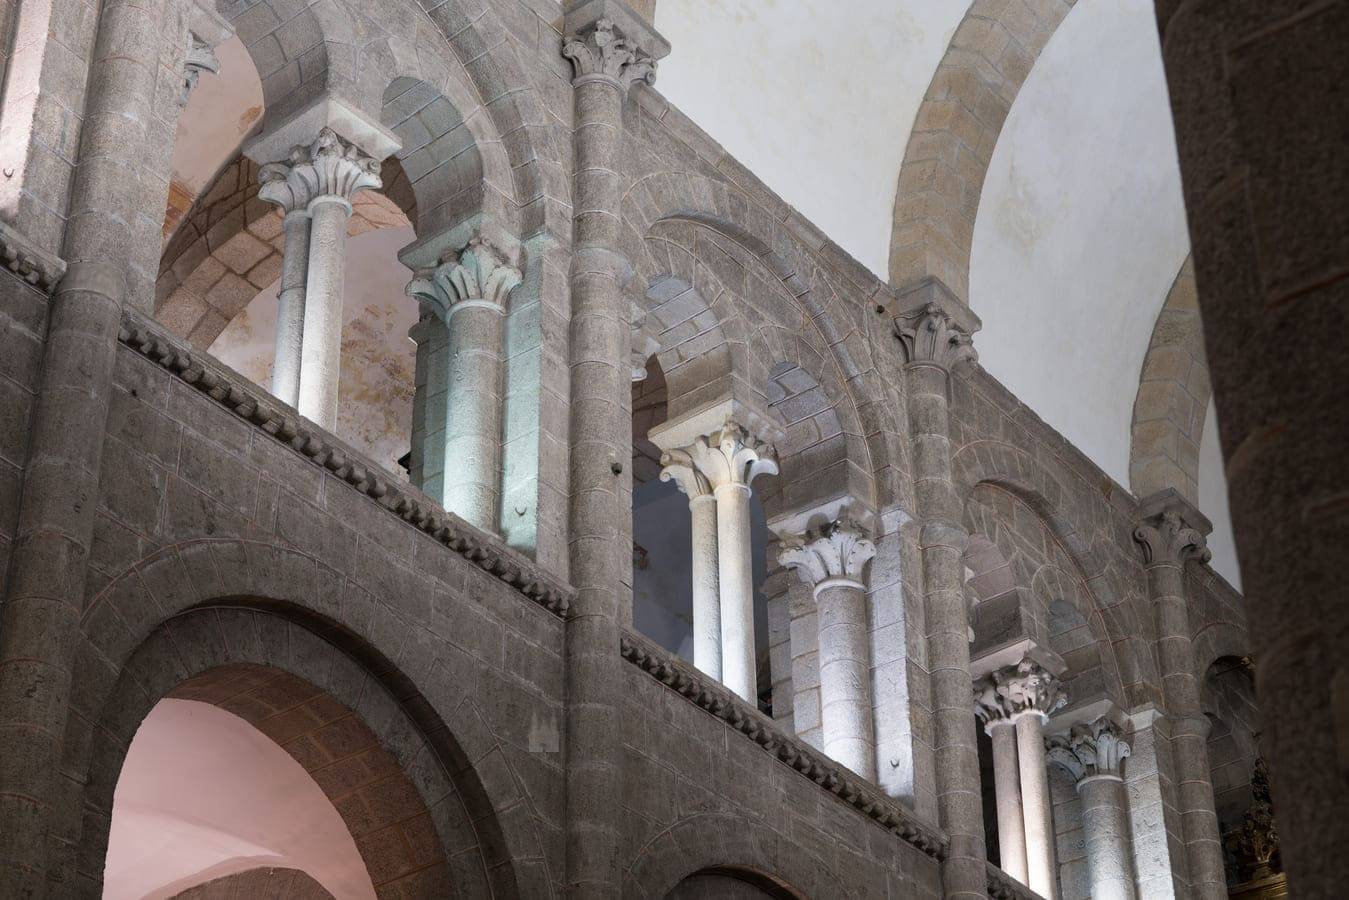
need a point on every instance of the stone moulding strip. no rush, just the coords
(1002, 886)
(228, 389)
(862, 796)
(23, 258)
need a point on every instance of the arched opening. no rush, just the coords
(246, 765)
(730, 884)
(1227, 695)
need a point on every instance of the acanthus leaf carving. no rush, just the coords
(603, 52)
(931, 335)
(477, 274)
(328, 167)
(1167, 539)
(838, 549)
(1093, 748)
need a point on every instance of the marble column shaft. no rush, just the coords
(678, 466)
(290, 307)
(321, 178)
(39, 620)
(1007, 784)
(600, 511)
(1036, 807)
(831, 560)
(1026, 694)
(1168, 543)
(468, 293)
(932, 346)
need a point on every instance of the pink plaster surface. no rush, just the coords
(204, 794)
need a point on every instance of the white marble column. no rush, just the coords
(468, 292)
(678, 465)
(321, 178)
(1032, 693)
(993, 711)
(830, 559)
(292, 196)
(730, 458)
(1093, 755)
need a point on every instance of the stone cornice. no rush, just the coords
(23, 258)
(1002, 886)
(251, 404)
(716, 699)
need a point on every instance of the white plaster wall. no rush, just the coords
(1081, 228)
(222, 109)
(203, 794)
(374, 404)
(1213, 501)
(816, 97)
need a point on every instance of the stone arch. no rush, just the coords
(761, 244)
(228, 246)
(366, 783)
(1105, 597)
(331, 631)
(955, 131)
(1173, 397)
(724, 842)
(262, 883)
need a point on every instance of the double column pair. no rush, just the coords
(314, 188)
(716, 472)
(1014, 704)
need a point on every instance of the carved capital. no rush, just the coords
(601, 52)
(477, 275)
(200, 58)
(929, 334)
(728, 456)
(328, 168)
(990, 706)
(1167, 539)
(836, 550)
(678, 466)
(1094, 748)
(1029, 687)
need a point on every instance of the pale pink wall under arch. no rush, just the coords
(204, 794)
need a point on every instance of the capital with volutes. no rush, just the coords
(601, 51)
(833, 553)
(1171, 530)
(729, 457)
(479, 275)
(1091, 749)
(1029, 688)
(330, 169)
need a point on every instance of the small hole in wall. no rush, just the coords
(880, 310)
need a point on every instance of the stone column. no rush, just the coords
(1032, 693)
(679, 466)
(1093, 755)
(992, 709)
(608, 59)
(830, 560)
(40, 617)
(325, 175)
(292, 196)
(468, 293)
(934, 333)
(730, 458)
(1172, 533)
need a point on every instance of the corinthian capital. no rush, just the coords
(1095, 748)
(601, 51)
(327, 168)
(728, 456)
(930, 335)
(835, 551)
(1029, 687)
(477, 276)
(678, 466)
(990, 706)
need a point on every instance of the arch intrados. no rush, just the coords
(330, 740)
(774, 888)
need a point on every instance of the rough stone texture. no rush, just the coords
(258, 884)
(1256, 92)
(1173, 397)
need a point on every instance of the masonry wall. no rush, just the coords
(23, 323)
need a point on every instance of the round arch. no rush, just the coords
(252, 602)
(718, 842)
